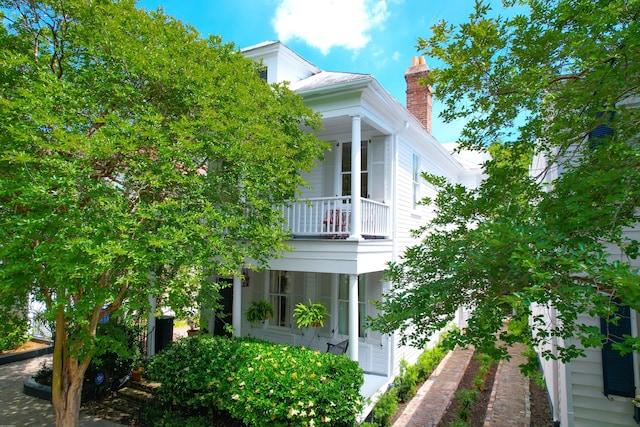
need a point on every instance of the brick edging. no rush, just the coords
(494, 390)
(24, 355)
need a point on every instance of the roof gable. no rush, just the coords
(283, 64)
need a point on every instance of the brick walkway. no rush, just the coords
(509, 404)
(431, 401)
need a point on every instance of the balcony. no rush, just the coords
(330, 218)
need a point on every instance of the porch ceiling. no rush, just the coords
(340, 128)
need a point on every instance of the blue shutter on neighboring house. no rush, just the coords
(263, 73)
(617, 370)
(598, 135)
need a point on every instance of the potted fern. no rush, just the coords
(259, 311)
(312, 315)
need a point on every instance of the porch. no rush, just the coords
(336, 218)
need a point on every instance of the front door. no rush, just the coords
(224, 316)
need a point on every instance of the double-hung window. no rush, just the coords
(280, 298)
(347, 168)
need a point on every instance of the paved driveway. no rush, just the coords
(19, 410)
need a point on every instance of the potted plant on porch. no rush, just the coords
(259, 311)
(312, 315)
(193, 320)
(636, 409)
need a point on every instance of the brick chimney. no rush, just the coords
(419, 95)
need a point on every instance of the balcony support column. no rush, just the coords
(236, 312)
(356, 177)
(354, 317)
(151, 324)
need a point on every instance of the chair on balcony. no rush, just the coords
(339, 348)
(336, 221)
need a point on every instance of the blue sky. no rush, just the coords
(375, 37)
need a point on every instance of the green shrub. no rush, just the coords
(478, 382)
(484, 359)
(532, 367)
(485, 364)
(15, 335)
(13, 325)
(158, 414)
(385, 408)
(428, 361)
(518, 326)
(259, 383)
(405, 383)
(465, 399)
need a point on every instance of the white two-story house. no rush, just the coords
(356, 217)
(597, 389)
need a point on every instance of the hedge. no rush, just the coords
(258, 382)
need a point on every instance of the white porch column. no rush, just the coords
(356, 176)
(236, 316)
(354, 317)
(151, 327)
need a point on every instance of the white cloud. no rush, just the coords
(329, 23)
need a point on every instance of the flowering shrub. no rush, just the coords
(258, 382)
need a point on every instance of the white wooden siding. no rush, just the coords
(409, 218)
(590, 406)
(328, 172)
(315, 178)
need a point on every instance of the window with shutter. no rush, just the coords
(617, 370)
(263, 73)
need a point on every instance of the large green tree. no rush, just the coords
(557, 81)
(132, 146)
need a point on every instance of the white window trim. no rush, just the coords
(339, 173)
(416, 174)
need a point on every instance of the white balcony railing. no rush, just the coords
(330, 217)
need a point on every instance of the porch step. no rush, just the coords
(134, 394)
(123, 406)
(143, 385)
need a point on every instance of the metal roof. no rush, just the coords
(326, 79)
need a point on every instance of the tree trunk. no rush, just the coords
(68, 374)
(68, 407)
